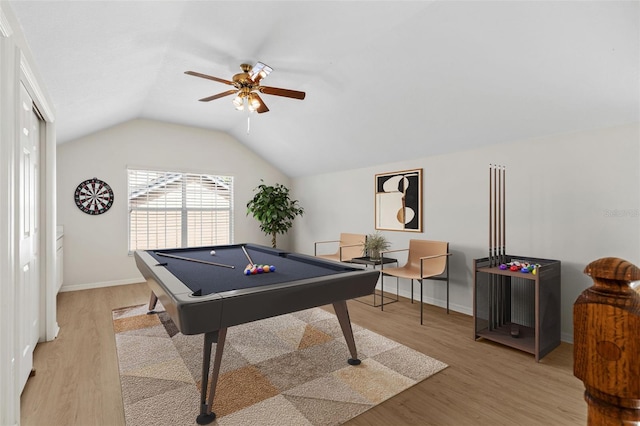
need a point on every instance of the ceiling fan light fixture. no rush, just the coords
(254, 102)
(238, 102)
(260, 71)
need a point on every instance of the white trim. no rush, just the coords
(429, 300)
(49, 201)
(35, 91)
(5, 28)
(9, 395)
(89, 286)
(48, 290)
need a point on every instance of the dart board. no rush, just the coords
(94, 196)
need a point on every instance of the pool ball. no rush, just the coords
(213, 252)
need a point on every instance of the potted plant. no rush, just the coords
(274, 209)
(374, 244)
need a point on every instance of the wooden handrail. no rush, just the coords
(606, 351)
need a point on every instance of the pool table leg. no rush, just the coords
(342, 313)
(206, 404)
(153, 301)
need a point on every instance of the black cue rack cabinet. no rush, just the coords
(515, 309)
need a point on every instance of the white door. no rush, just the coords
(28, 278)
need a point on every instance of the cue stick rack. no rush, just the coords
(514, 308)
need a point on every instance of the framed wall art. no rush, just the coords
(399, 201)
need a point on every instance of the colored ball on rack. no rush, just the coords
(524, 270)
(503, 266)
(254, 271)
(247, 271)
(513, 268)
(266, 268)
(272, 268)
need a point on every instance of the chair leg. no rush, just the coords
(447, 292)
(447, 269)
(381, 292)
(412, 291)
(421, 302)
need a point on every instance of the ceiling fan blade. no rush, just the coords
(282, 92)
(219, 95)
(209, 77)
(263, 107)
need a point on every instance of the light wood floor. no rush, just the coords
(76, 381)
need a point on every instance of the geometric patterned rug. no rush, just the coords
(286, 370)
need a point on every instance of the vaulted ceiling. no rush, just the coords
(385, 81)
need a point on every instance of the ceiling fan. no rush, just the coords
(247, 86)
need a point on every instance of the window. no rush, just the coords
(173, 209)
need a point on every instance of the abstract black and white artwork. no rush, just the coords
(399, 201)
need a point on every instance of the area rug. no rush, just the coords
(286, 370)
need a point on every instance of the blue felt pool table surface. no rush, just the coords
(210, 279)
(201, 298)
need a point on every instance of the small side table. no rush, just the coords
(374, 262)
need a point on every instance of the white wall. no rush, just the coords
(95, 247)
(574, 198)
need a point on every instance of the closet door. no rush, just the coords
(28, 277)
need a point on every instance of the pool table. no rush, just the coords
(205, 290)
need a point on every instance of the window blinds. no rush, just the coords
(173, 209)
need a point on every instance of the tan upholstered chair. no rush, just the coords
(425, 260)
(349, 246)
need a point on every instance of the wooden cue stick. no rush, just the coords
(490, 277)
(496, 197)
(498, 215)
(247, 254)
(504, 213)
(495, 215)
(490, 214)
(196, 260)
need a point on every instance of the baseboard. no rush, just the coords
(438, 302)
(431, 301)
(566, 337)
(90, 286)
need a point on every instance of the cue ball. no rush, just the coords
(213, 252)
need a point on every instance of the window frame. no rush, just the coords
(166, 178)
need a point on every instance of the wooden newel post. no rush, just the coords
(606, 351)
